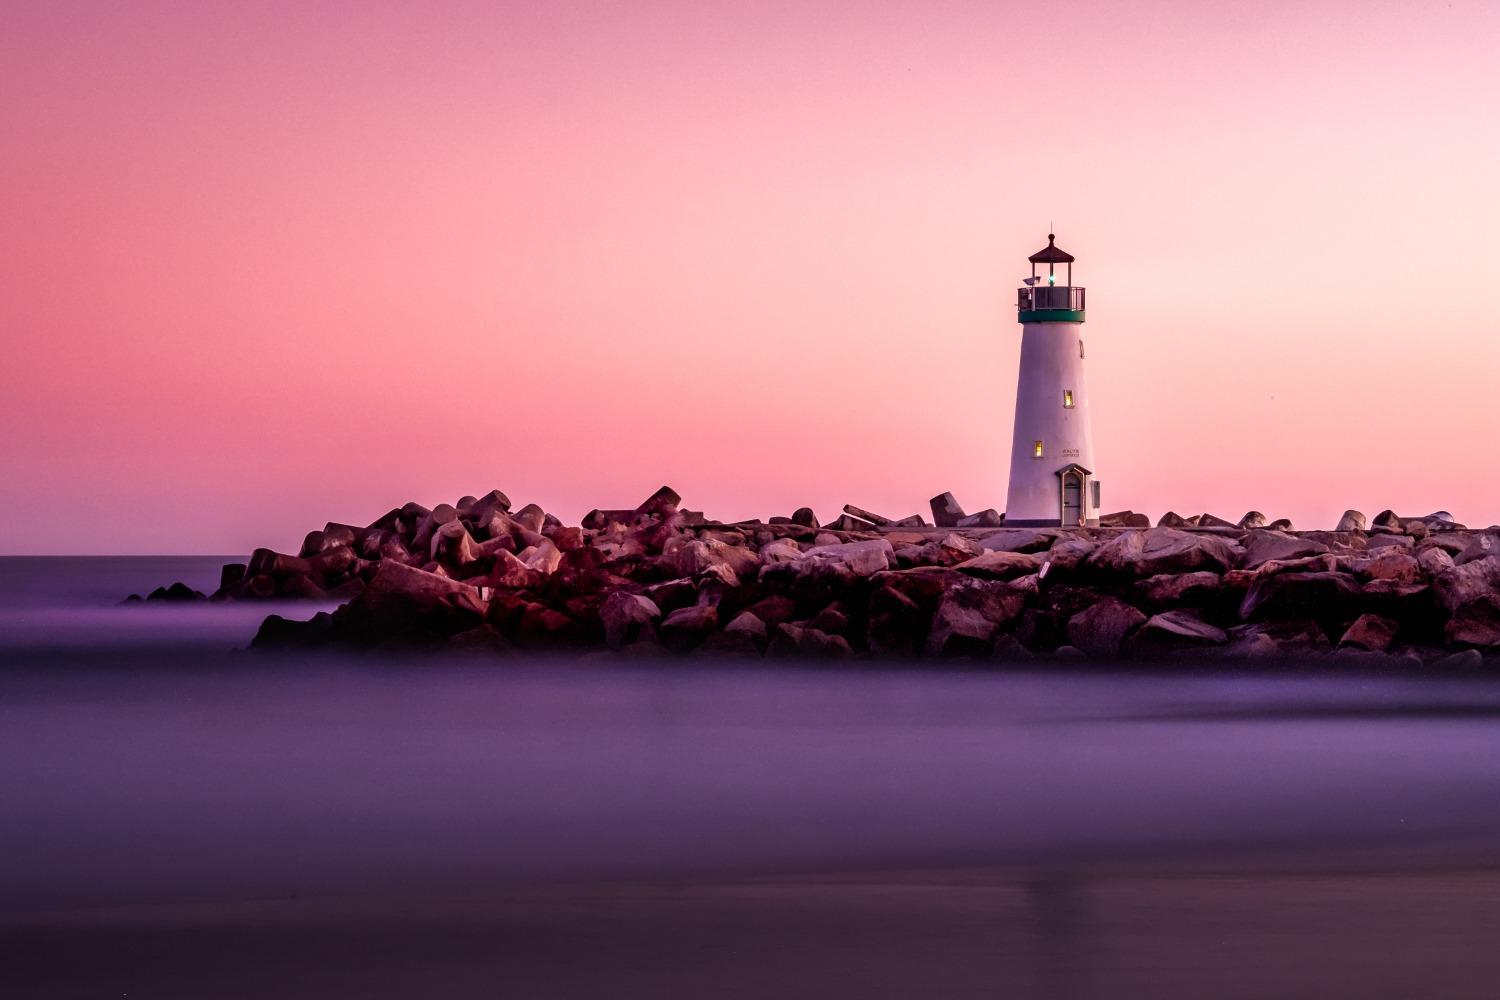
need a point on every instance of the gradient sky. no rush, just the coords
(267, 265)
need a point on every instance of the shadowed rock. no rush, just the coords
(1100, 629)
(946, 513)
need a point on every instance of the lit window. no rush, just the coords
(1067, 399)
(1080, 347)
(1036, 450)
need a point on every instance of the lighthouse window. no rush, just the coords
(1067, 399)
(1036, 450)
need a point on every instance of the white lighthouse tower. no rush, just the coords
(1053, 478)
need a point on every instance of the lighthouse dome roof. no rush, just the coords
(1051, 254)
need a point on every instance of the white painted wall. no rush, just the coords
(1050, 365)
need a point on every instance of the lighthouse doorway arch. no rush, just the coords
(1072, 483)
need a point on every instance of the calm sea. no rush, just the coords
(144, 761)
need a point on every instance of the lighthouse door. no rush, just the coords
(1072, 499)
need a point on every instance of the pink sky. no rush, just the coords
(269, 265)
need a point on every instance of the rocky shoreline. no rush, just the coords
(660, 580)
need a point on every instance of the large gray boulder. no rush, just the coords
(1264, 545)
(1252, 519)
(859, 558)
(946, 513)
(1161, 550)
(626, 616)
(1099, 629)
(1019, 540)
(1000, 565)
(1473, 581)
(969, 614)
(1352, 520)
(987, 518)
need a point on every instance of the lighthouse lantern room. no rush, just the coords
(1053, 478)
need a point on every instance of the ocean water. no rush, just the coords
(149, 766)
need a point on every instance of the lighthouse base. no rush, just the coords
(1055, 522)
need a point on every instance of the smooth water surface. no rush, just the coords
(144, 763)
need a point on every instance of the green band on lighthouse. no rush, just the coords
(1050, 315)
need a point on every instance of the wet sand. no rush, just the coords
(989, 933)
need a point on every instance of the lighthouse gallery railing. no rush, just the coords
(1050, 297)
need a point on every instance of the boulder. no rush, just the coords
(1252, 519)
(999, 565)
(879, 520)
(1370, 632)
(1398, 541)
(805, 517)
(453, 546)
(946, 513)
(1020, 540)
(1264, 545)
(231, 576)
(1161, 550)
(545, 627)
(1174, 630)
(664, 501)
(748, 623)
(774, 609)
(1389, 564)
(1124, 519)
(402, 602)
(685, 628)
(625, 616)
(859, 558)
(910, 521)
(796, 640)
(1169, 589)
(1434, 561)
(848, 522)
(1066, 554)
(833, 619)
(1316, 596)
(969, 614)
(1210, 521)
(950, 550)
(670, 595)
(1476, 623)
(430, 523)
(1099, 629)
(1473, 581)
(1387, 520)
(1280, 524)
(988, 518)
(1172, 519)
(1352, 520)
(1478, 546)
(780, 551)
(178, 592)
(531, 517)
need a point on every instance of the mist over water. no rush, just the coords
(143, 761)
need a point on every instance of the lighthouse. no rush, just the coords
(1053, 479)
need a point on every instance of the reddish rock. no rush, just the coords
(1174, 630)
(1001, 565)
(1100, 629)
(624, 616)
(685, 628)
(1370, 632)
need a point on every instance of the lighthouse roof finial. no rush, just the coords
(1051, 254)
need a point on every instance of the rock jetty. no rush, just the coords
(659, 579)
